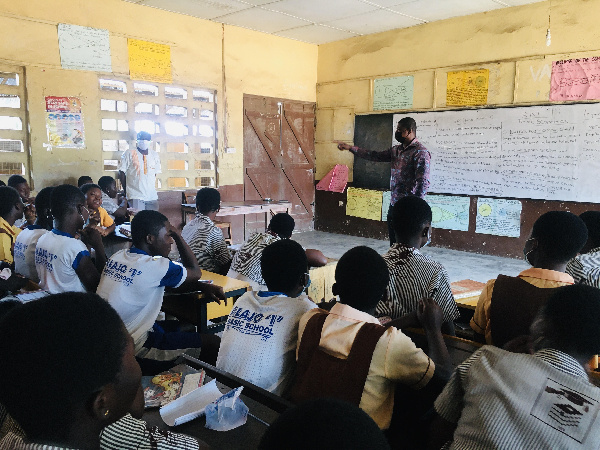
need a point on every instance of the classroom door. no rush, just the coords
(279, 157)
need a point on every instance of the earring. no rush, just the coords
(106, 413)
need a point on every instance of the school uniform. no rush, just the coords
(25, 251)
(207, 243)
(105, 219)
(57, 256)
(245, 265)
(500, 399)
(260, 337)
(585, 268)
(109, 204)
(8, 235)
(133, 282)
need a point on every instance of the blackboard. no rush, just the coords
(372, 132)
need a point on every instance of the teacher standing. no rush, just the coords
(410, 165)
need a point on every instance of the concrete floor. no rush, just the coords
(460, 265)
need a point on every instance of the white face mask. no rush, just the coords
(143, 145)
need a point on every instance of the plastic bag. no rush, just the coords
(228, 412)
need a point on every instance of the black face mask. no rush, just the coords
(398, 136)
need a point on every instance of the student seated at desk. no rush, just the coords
(117, 210)
(413, 275)
(508, 305)
(78, 383)
(62, 261)
(585, 268)
(134, 282)
(497, 399)
(84, 179)
(99, 218)
(260, 337)
(27, 239)
(246, 262)
(346, 354)
(11, 209)
(22, 187)
(203, 237)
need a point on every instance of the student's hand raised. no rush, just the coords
(213, 293)
(430, 314)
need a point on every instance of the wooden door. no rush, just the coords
(279, 157)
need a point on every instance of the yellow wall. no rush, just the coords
(254, 63)
(511, 43)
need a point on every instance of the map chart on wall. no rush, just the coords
(363, 203)
(500, 217)
(449, 212)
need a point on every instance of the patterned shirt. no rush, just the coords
(109, 204)
(585, 268)
(246, 261)
(500, 399)
(126, 433)
(410, 168)
(207, 243)
(414, 276)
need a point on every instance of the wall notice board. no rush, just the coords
(549, 156)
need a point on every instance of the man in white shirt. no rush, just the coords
(63, 262)
(137, 173)
(260, 337)
(134, 282)
(27, 239)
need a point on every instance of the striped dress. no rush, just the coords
(246, 261)
(585, 268)
(414, 276)
(207, 243)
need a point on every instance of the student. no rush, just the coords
(414, 276)
(498, 399)
(116, 210)
(585, 268)
(99, 218)
(134, 282)
(11, 209)
(260, 337)
(346, 354)
(511, 303)
(324, 424)
(63, 262)
(246, 262)
(203, 237)
(22, 187)
(79, 384)
(27, 240)
(84, 179)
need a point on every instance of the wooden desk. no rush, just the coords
(191, 307)
(242, 208)
(264, 408)
(468, 302)
(458, 348)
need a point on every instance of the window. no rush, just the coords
(181, 120)
(14, 145)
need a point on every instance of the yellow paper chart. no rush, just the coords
(364, 203)
(467, 88)
(149, 61)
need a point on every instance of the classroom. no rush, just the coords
(269, 115)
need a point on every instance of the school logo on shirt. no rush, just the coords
(44, 258)
(252, 323)
(570, 412)
(120, 272)
(20, 249)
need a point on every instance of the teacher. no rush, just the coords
(410, 165)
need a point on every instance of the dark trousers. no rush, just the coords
(390, 227)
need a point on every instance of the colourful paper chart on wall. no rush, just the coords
(575, 79)
(64, 122)
(393, 93)
(363, 203)
(467, 87)
(500, 217)
(449, 212)
(149, 61)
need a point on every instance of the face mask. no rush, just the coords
(427, 243)
(526, 254)
(309, 281)
(398, 136)
(143, 145)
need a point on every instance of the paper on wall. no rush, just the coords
(500, 217)
(467, 87)
(364, 203)
(449, 212)
(149, 61)
(575, 79)
(84, 48)
(393, 93)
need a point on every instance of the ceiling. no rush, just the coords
(321, 21)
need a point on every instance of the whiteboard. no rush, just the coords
(540, 152)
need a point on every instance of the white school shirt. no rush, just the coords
(133, 282)
(260, 338)
(57, 256)
(140, 185)
(25, 251)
